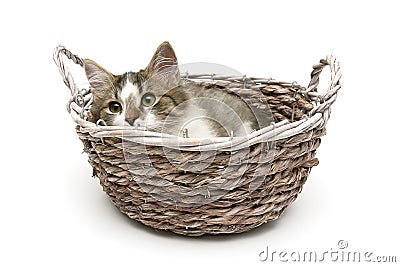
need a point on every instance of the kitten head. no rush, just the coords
(136, 98)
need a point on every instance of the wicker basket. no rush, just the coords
(155, 179)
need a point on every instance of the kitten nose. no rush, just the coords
(131, 120)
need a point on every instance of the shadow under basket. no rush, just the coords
(221, 185)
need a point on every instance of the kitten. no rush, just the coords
(157, 99)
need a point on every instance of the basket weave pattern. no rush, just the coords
(141, 181)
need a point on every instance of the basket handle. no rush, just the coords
(58, 54)
(324, 101)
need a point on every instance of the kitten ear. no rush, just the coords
(96, 74)
(164, 65)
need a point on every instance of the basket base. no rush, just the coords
(197, 224)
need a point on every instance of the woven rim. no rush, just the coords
(316, 118)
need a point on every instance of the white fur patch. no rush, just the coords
(129, 89)
(197, 124)
(120, 120)
(199, 128)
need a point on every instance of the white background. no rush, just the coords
(54, 214)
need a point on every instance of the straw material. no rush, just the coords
(222, 185)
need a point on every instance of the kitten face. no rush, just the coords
(116, 100)
(143, 98)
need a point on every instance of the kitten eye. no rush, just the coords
(148, 100)
(115, 107)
